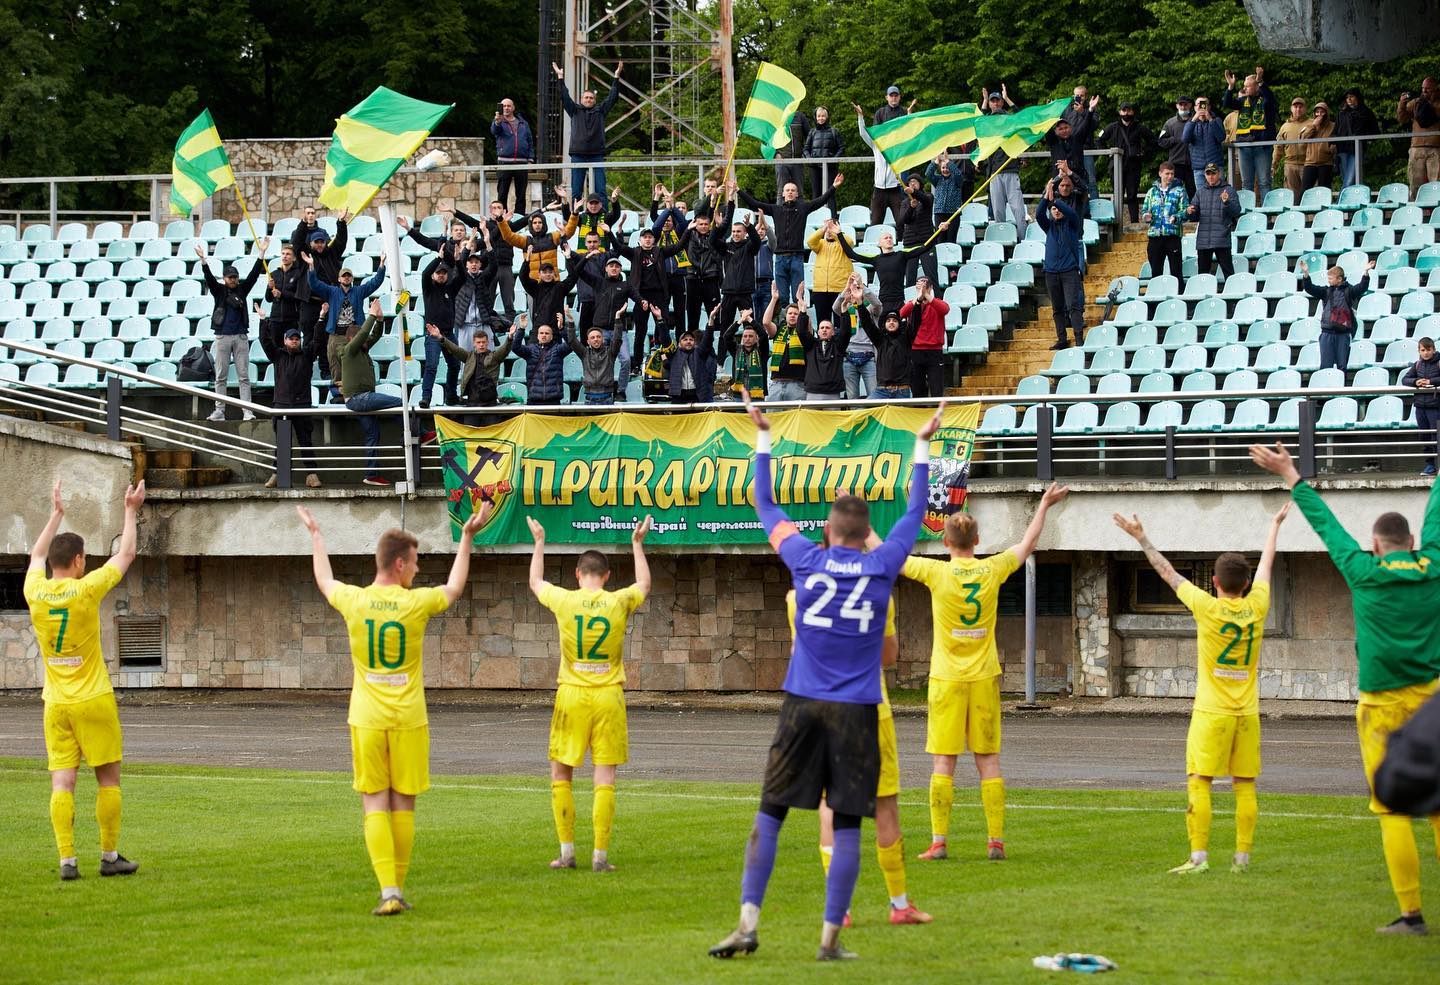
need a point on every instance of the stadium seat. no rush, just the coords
(1387, 329)
(1200, 286)
(1417, 238)
(1371, 377)
(1110, 359)
(1170, 311)
(1205, 415)
(1402, 281)
(1252, 414)
(1416, 305)
(1073, 385)
(42, 374)
(1298, 243)
(1308, 359)
(969, 340)
(1287, 415)
(1136, 336)
(1395, 193)
(107, 351)
(1163, 414)
(1018, 273)
(145, 351)
(1362, 354)
(1303, 331)
(1337, 413)
(1064, 362)
(1100, 337)
(80, 377)
(1112, 384)
(1200, 381)
(1367, 218)
(1283, 379)
(1249, 223)
(1240, 379)
(1388, 260)
(992, 254)
(95, 329)
(1156, 383)
(1316, 198)
(1102, 210)
(1033, 386)
(1277, 200)
(1001, 232)
(1401, 352)
(1260, 244)
(1209, 310)
(1337, 241)
(1181, 335)
(1251, 309)
(1262, 332)
(1329, 378)
(1293, 308)
(1272, 358)
(1079, 418)
(998, 420)
(1243, 284)
(214, 230)
(986, 316)
(119, 250)
(1385, 411)
(1146, 360)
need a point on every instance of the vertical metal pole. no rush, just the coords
(1171, 470)
(54, 207)
(265, 199)
(1117, 171)
(1044, 439)
(1359, 169)
(284, 448)
(1306, 465)
(485, 191)
(1030, 630)
(155, 211)
(112, 407)
(397, 284)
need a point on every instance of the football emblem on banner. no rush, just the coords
(949, 474)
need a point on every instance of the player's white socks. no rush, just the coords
(749, 912)
(900, 902)
(109, 856)
(1242, 858)
(391, 892)
(935, 839)
(598, 855)
(69, 861)
(1197, 857)
(829, 934)
(567, 850)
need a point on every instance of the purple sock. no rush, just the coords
(760, 858)
(844, 871)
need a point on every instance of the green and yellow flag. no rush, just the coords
(201, 166)
(920, 137)
(774, 98)
(1015, 133)
(371, 142)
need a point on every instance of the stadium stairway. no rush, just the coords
(1027, 350)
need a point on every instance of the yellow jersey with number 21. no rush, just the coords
(592, 632)
(1228, 635)
(964, 596)
(66, 616)
(387, 632)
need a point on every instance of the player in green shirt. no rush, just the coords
(1396, 595)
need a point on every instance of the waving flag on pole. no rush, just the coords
(920, 137)
(1015, 133)
(371, 142)
(774, 98)
(200, 168)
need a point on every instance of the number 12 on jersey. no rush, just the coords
(854, 607)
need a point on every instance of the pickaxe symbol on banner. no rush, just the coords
(484, 456)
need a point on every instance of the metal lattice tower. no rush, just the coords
(677, 61)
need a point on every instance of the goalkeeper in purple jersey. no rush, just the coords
(827, 742)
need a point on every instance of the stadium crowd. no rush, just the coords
(705, 285)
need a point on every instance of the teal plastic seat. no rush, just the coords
(1262, 332)
(1338, 413)
(1189, 359)
(1401, 352)
(988, 317)
(1162, 287)
(1221, 334)
(1209, 310)
(1292, 308)
(1230, 358)
(1079, 418)
(970, 339)
(1372, 306)
(1241, 380)
(1019, 273)
(1406, 216)
(1388, 328)
(42, 374)
(1146, 360)
(1385, 411)
(1277, 200)
(1064, 362)
(1272, 358)
(1428, 196)
(147, 351)
(1283, 379)
(1362, 354)
(108, 351)
(1287, 416)
(1371, 377)
(1388, 260)
(1298, 243)
(1402, 280)
(1073, 385)
(1201, 286)
(1265, 266)
(1205, 415)
(1367, 218)
(1303, 331)
(1417, 238)
(1101, 337)
(1001, 232)
(1130, 313)
(1156, 383)
(1170, 311)
(1259, 244)
(1416, 305)
(1326, 220)
(1180, 335)
(1250, 223)
(1163, 414)
(998, 420)
(1111, 359)
(1102, 210)
(1316, 198)
(1252, 414)
(1121, 417)
(1136, 337)
(1033, 386)
(1250, 309)
(1112, 384)
(1337, 241)
(990, 253)
(80, 378)
(1200, 381)
(1328, 378)
(1395, 193)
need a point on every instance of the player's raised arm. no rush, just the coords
(902, 536)
(777, 525)
(454, 587)
(1053, 494)
(320, 563)
(41, 549)
(1267, 556)
(538, 583)
(642, 565)
(1162, 567)
(134, 499)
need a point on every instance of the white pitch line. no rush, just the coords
(715, 798)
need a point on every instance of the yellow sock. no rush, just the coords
(992, 797)
(380, 843)
(107, 814)
(892, 866)
(1247, 809)
(1435, 823)
(1197, 814)
(1402, 859)
(602, 815)
(562, 805)
(942, 795)
(62, 819)
(827, 852)
(402, 825)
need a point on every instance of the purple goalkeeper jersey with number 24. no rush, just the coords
(841, 596)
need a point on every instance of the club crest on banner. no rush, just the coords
(477, 471)
(949, 474)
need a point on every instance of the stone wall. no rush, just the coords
(411, 193)
(1092, 626)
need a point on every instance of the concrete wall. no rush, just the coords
(1339, 31)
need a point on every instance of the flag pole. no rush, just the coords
(956, 214)
(253, 238)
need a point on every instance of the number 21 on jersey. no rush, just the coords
(854, 607)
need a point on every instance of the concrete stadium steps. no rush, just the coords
(1027, 350)
(173, 468)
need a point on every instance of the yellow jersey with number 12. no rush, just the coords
(1228, 635)
(964, 597)
(387, 633)
(592, 632)
(66, 615)
(884, 709)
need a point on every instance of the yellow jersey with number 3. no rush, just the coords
(884, 709)
(592, 632)
(1228, 635)
(66, 615)
(387, 632)
(964, 596)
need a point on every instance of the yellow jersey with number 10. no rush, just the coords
(592, 632)
(964, 597)
(387, 633)
(66, 615)
(1228, 635)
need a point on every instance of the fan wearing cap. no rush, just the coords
(294, 362)
(347, 304)
(1319, 157)
(649, 283)
(1205, 136)
(1354, 119)
(592, 217)
(1216, 208)
(609, 301)
(692, 364)
(1292, 154)
(315, 242)
(1006, 198)
(1135, 141)
(231, 324)
(886, 193)
(478, 379)
(548, 292)
(1177, 152)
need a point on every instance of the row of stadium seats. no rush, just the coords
(1204, 416)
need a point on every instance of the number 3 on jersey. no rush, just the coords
(862, 612)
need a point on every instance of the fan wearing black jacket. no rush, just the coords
(787, 218)
(294, 362)
(824, 359)
(889, 265)
(288, 287)
(547, 295)
(892, 351)
(916, 220)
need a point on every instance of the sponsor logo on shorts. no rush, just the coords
(389, 680)
(65, 661)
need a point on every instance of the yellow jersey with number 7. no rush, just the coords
(1228, 633)
(387, 633)
(66, 615)
(592, 632)
(964, 599)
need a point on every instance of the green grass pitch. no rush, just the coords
(261, 876)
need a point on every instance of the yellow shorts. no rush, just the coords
(1223, 745)
(1377, 715)
(963, 713)
(391, 759)
(889, 785)
(589, 718)
(89, 728)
